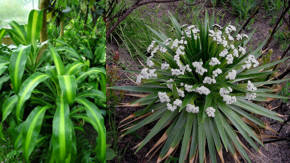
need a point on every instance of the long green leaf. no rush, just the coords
(96, 116)
(17, 66)
(17, 33)
(26, 89)
(2, 34)
(34, 25)
(62, 132)
(31, 129)
(8, 106)
(68, 86)
(57, 61)
(90, 72)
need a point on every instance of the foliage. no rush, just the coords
(243, 7)
(200, 90)
(50, 99)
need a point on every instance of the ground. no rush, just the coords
(277, 152)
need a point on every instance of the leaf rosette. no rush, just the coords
(202, 87)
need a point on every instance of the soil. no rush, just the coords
(278, 152)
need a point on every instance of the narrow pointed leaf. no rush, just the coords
(31, 129)
(17, 66)
(62, 131)
(96, 117)
(68, 87)
(8, 106)
(26, 89)
(34, 25)
(57, 61)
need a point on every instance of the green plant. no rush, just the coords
(47, 102)
(243, 7)
(200, 89)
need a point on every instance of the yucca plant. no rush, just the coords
(201, 89)
(47, 102)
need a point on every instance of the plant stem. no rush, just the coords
(276, 26)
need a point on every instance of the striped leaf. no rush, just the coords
(57, 61)
(73, 68)
(62, 132)
(2, 34)
(17, 33)
(17, 66)
(34, 25)
(68, 87)
(96, 116)
(31, 129)
(26, 89)
(8, 106)
(90, 72)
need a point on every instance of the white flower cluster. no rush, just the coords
(198, 68)
(217, 72)
(146, 74)
(251, 88)
(202, 90)
(192, 108)
(176, 103)
(232, 75)
(209, 80)
(251, 61)
(210, 111)
(224, 92)
(211, 69)
(214, 61)
(163, 97)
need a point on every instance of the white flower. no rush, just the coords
(174, 44)
(236, 53)
(214, 61)
(198, 68)
(149, 62)
(163, 97)
(217, 25)
(177, 102)
(250, 60)
(232, 75)
(180, 51)
(230, 59)
(242, 50)
(169, 83)
(163, 50)
(210, 112)
(202, 90)
(151, 46)
(208, 80)
(177, 72)
(171, 107)
(239, 37)
(251, 87)
(251, 96)
(192, 108)
(188, 88)
(229, 99)
(244, 35)
(230, 37)
(217, 72)
(224, 53)
(232, 46)
(164, 66)
(225, 91)
(180, 92)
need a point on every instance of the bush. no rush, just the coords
(201, 87)
(46, 100)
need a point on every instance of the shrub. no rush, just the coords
(46, 102)
(201, 87)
